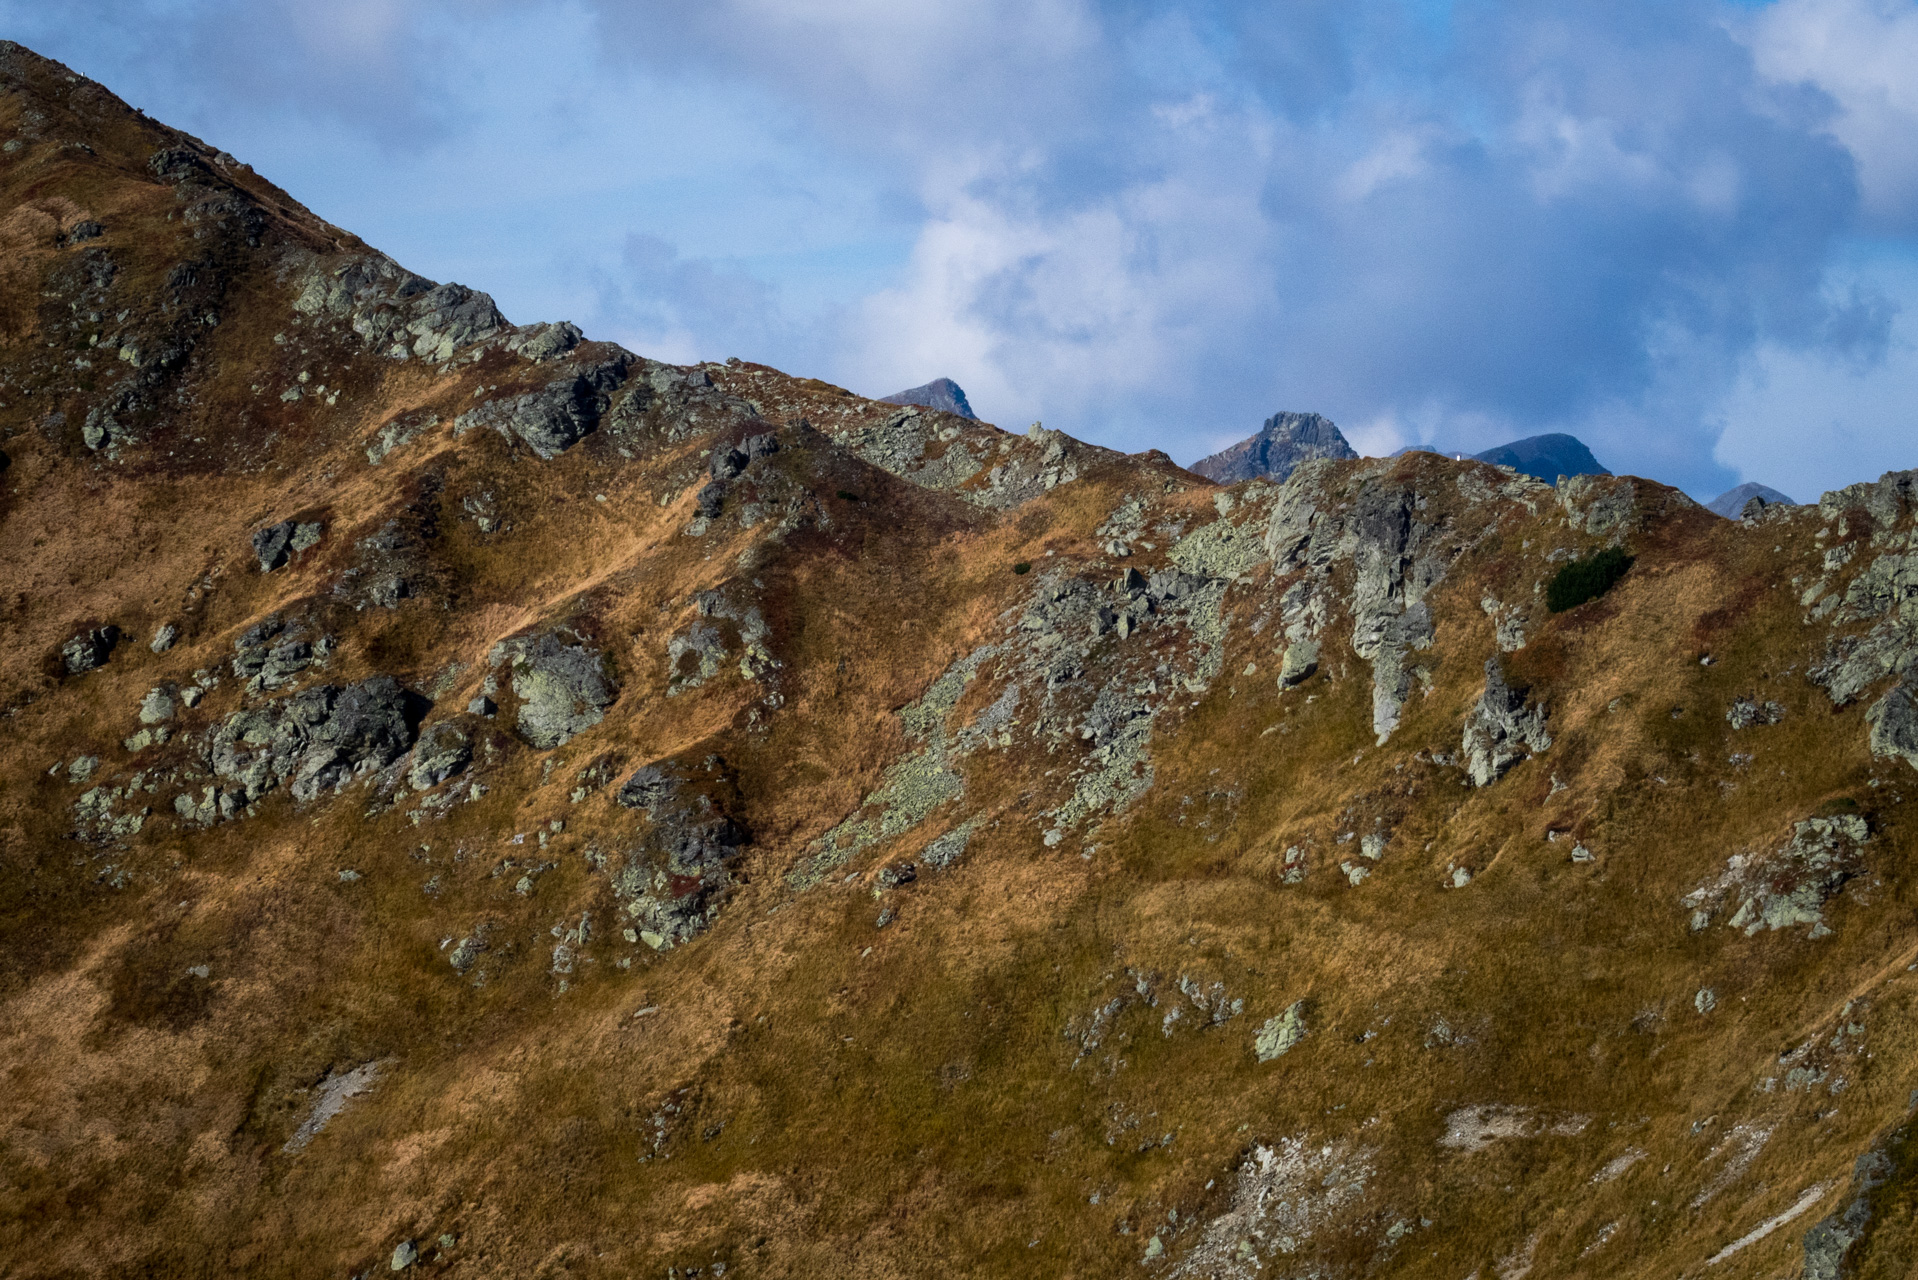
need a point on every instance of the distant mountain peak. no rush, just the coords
(1546, 457)
(941, 393)
(1731, 503)
(1282, 443)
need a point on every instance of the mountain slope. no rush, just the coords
(481, 801)
(1280, 445)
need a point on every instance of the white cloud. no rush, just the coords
(1864, 54)
(1805, 421)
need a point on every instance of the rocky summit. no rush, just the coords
(1280, 445)
(480, 801)
(942, 394)
(1546, 457)
(1731, 503)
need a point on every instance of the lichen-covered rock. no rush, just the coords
(1885, 500)
(1599, 504)
(397, 312)
(1827, 1243)
(1746, 712)
(1300, 661)
(1788, 886)
(164, 636)
(1502, 730)
(269, 655)
(729, 461)
(546, 341)
(1280, 1034)
(448, 317)
(159, 704)
(1397, 558)
(399, 432)
(563, 688)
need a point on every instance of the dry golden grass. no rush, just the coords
(838, 1098)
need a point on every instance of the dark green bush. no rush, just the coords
(1024, 566)
(848, 496)
(1586, 579)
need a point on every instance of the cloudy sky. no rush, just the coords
(1686, 231)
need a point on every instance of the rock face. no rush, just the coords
(1731, 503)
(1894, 725)
(442, 751)
(1282, 443)
(276, 543)
(942, 394)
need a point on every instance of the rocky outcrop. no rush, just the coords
(672, 881)
(1280, 1034)
(277, 543)
(1502, 729)
(272, 653)
(89, 650)
(1829, 1243)
(443, 751)
(1788, 886)
(1884, 593)
(561, 682)
(1746, 712)
(1886, 500)
(1599, 505)
(1396, 556)
(318, 740)
(396, 312)
(1282, 443)
(558, 415)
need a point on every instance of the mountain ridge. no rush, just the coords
(482, 800)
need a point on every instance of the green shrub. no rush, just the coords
(848, 496)
(1024, 566)
(1586, 579)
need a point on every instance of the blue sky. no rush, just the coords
(1685, 231)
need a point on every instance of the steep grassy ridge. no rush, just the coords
(547, 811)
